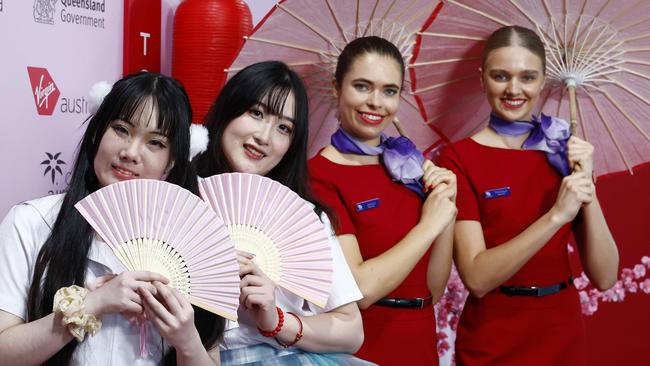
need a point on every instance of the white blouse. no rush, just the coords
(22, 234)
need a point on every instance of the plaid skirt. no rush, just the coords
(265, 355)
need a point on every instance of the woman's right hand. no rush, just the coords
(435, 175)
(173, 315)
(257, 294)
(576, 189)
(439, 209)
(120, 294)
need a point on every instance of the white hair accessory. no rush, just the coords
(198, 139)
(97, 93)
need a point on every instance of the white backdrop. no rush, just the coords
(42, 34)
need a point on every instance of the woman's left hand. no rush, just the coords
(580, 152)
(172, 314)
(435, 175)
(257, 295)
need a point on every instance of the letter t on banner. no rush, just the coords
(142, 35)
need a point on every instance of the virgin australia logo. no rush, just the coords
(53, 165)
(44, 11)
(44, 89)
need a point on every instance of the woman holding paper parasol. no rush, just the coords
(395, 231)
(518, 203)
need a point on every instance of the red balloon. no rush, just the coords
(208, 34)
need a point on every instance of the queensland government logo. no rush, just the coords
(87, 13)
(44, 11)
(53, 165)
(45, 91)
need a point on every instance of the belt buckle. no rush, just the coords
(544, 291)
(548, 290)
(536, 291)
(416, 303)
(520, 291)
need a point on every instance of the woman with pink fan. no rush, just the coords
(258, 125)
(518, 203)
(59, 281)
(396, 237)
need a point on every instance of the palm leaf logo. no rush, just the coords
(53, 165)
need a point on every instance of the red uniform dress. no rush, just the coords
(380, 212)
(506, 191)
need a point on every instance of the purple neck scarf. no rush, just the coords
(399, 155)
(548, 134)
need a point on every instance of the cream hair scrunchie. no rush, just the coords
(69, 302)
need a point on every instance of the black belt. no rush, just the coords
(534, 290)
(417, 303)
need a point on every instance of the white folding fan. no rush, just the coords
(281, 229)
(160, 227)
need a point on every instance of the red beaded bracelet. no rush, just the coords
(275, 331)
(298, 335)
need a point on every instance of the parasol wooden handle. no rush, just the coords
(399, 128)
(573, 108)
(573, 111)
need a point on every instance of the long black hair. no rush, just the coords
(269, 83)
(62, 260)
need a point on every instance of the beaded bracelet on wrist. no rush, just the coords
(275, 331)
(298, 335)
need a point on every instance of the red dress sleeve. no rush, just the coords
(326, 191)
(466, 200)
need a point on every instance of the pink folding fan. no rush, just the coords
(281, 229)
(160, 227)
